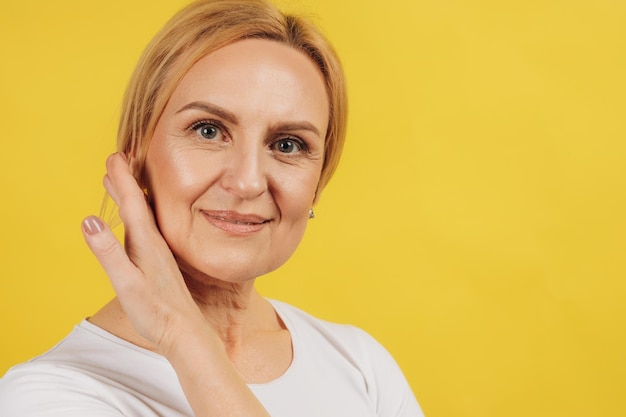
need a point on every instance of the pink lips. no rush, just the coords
(235, 223)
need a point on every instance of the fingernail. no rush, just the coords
(92, 225)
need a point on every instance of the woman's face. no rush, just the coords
(236, 157)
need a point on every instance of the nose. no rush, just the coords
(244, 175)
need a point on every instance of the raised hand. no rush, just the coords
(154, 296)
(144, 274)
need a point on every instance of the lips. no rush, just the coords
(235, 223)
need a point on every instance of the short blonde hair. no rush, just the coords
(203, 27)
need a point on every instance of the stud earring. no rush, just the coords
(311, 214)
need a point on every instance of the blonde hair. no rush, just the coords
(203, 27)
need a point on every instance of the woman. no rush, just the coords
(232, 125)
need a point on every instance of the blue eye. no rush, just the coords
(207, 130)
(288, 145)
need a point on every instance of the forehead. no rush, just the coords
(256, 77)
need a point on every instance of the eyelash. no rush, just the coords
(303, 148)
(207, 123)
(301, 144)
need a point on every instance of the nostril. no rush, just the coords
(245, 179)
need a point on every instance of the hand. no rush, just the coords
(144, 274)
(154, 296)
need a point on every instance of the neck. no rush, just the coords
(235, 311)
(232, 309)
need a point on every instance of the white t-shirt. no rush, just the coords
(337, 370)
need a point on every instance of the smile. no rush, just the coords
(236, 223)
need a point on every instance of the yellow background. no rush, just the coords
(476, 224)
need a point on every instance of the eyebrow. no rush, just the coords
(231, 118)
(292, 126)
(210, 108)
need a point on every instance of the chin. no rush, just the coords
(226, 271)
(226, 263)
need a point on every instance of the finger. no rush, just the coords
(119, 179)
(110, 253)
(125, 191)
(138, 296)
(109, 185)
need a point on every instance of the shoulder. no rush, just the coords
(28, 389)
(348, 339)
(52, 382)
(90, 372)
(305, 321)
(353, 340)
(384, 381)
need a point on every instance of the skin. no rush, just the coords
(233, 169)
(241, 173)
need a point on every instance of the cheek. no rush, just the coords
(172, 172)
(297, 192)
(294, 202)
(174, 184)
